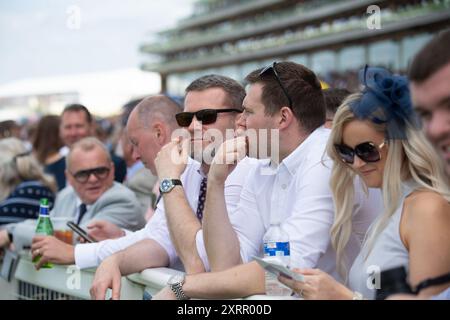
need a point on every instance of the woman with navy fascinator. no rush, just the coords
(376, 135)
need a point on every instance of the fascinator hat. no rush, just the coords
(385, 100)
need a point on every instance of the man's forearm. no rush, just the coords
(142, 255)
(221, 241)
(237, 282)
(183, 226)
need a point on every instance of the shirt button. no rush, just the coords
(283, 186)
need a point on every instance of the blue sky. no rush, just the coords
(40, 37)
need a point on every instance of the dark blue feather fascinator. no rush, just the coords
(385, 100)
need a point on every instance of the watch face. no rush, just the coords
(166, 184)
(178, 278)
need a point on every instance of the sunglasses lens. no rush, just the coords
(367, 152)
(207, 116)
(82, 176)
(345, 153)
(184, 119)
(101, 173)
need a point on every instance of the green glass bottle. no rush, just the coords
(44, 227)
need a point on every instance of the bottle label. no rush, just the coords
(43, 211)
(276, 249)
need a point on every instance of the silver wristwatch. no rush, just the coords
(167, 185)
(176, 285)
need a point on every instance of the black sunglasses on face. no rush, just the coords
(272, 70)
(82, 176)
(366, 151)
(206, 116)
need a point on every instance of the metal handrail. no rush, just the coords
(69, 282)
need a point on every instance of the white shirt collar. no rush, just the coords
(296, 158)
(79, 202)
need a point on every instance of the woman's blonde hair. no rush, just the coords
(18, 165)
(411, 158)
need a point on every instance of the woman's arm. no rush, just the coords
(425, 232)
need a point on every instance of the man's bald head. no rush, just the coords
(158, 107)
(150, 127)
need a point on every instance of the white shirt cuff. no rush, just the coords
(86, 255)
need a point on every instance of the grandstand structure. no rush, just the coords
(334, 38)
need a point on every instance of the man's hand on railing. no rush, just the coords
(107, 276)
(165, 294)
(51, 250)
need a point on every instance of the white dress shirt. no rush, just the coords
(92, 254)
(298, 195)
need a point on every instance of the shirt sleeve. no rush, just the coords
(90, 255)
(251, 232)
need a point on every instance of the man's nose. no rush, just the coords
(134, 154)
(195, 125)
(92, 178)
(72, 131)
(240, 121)
(438, 126)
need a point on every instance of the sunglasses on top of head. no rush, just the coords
(366, 151)
(206, 116)
(271, 69)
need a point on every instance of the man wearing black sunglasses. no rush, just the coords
(174, 234)
(291, 186)
(92, 194)
(77, 123)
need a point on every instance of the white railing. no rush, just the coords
(68, 282)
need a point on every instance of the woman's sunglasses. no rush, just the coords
(366, 151)
(206, 116)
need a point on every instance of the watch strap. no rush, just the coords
(177, 289)
(174, 182)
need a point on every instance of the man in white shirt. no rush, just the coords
(291, 186)
(173, 235)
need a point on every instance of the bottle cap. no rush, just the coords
(44, 202)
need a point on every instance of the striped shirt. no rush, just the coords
(23, 202)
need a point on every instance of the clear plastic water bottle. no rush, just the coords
(276, 249)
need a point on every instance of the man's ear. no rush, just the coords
(158, 130)
(286, 116)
